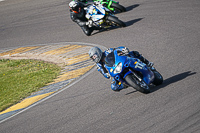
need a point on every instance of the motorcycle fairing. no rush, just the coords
(95, 12)
(137, 65)
(128, 62)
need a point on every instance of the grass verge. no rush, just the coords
(20, 78)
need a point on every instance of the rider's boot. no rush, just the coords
(117, 86)
(125, 86)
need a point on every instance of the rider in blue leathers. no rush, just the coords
(98, 57)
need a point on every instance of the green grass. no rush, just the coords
(20, 78)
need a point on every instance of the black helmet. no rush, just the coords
(95, 54)
(74, 6)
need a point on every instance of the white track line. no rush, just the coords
(79, 79)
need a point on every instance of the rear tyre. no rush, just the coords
(87, 30)
(140, 86)
(118, 7)
(116, 21)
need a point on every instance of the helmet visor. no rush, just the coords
(94, 56)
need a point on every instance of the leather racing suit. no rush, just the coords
(81, 20)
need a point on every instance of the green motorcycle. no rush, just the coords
(110, 4)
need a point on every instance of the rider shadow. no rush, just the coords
(129, 23)
(169, 81)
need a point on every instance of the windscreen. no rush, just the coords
(110, 59)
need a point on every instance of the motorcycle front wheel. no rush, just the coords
(118, 7)
(140, 86)
(158, 78)
(116, 21)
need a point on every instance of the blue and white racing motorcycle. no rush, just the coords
(102, 17)
(132, 72)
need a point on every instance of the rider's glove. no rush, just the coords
(136, 53)
(89, 23)
(125, 51)
(88, 16)
(150, 64)
(107, 75)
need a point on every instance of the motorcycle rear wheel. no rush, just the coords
(116, 21)
(118, 7)
(140, 86)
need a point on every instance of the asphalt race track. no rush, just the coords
(166, 32)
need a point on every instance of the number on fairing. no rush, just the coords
(139, 65)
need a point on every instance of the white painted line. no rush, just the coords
(2, 0)
(76, 81)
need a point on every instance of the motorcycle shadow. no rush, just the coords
(129, 8)
(173, 79)
(129, 23)
(169, 81)
(106, 29)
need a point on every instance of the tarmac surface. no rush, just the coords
(166, 32)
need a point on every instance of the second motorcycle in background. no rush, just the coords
(102, 17)
(110, 4)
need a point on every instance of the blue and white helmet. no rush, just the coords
(95, 54)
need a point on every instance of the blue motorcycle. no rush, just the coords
(132, 72)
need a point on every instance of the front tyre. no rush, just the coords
(158, 78)
(116, 21)
(140, 86)
(118, 7)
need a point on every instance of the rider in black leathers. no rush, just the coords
(77, 14)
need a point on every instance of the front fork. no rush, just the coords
(108, 3)
(148, 75)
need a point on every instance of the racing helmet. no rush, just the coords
(74, 6)
(95, 54)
